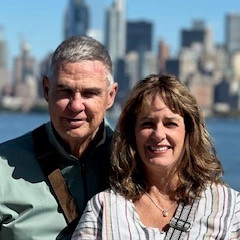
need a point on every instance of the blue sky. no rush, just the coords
(40, 22)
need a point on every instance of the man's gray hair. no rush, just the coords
(78, 48)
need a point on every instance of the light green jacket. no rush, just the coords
(28, 209)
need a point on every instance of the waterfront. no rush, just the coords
(225, 133)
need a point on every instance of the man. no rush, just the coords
(48, 174)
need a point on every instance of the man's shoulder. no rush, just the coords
(18, 146)
(17, 142)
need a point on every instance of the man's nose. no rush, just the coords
(76, 102)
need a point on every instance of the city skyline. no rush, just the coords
(40, 23)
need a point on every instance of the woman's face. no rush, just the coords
(160, 136)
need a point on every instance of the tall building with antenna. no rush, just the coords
(76, 21)
(233, 32)
(115, 31)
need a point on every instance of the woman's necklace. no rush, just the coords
(164, 212)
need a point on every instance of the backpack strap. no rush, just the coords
(47, 159)
(181, 223)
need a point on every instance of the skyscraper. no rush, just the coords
(139, 40)
(139, 36)
(115, 31)
(25, 77)
(4, 71)
(163, 55)
(233, 33)
(25, 64)
(196, 34)
(76, 20)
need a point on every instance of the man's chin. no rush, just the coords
(76, 133)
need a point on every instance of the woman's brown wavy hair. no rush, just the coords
(199, 165)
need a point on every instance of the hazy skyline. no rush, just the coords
(40, 23)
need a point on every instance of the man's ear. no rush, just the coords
(45, 86)
(112, 95)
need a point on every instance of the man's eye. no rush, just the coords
(65, 91)
(89, 94)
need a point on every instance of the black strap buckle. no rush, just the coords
(180, 224)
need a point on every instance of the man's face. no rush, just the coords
(78, 97)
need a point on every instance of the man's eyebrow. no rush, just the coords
(93, 89)
(63, 86)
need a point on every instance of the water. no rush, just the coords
(226, 137)
(15, 124)
(225, 134)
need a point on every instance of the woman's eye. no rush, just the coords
(146, 124)
(171, 124)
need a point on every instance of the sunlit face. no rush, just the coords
(78, 98)
(160, 135)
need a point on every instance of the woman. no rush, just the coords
(166, 178)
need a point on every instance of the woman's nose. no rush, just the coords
(159, 133)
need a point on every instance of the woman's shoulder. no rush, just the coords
(221, 191)
(219, 199)
(223, 187)
(107, 195)
(107, 199)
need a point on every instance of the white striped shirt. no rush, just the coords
(108, 216)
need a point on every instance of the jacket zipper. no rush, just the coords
(84, 180)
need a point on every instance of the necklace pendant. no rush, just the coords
(164, 213)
